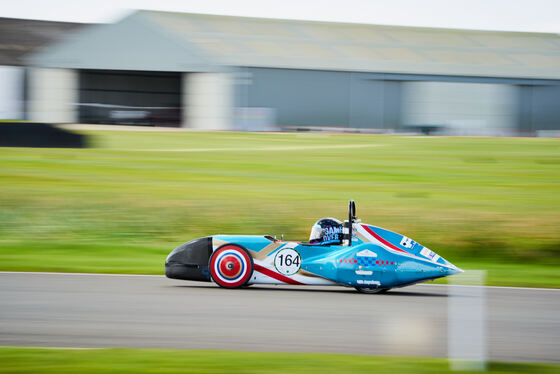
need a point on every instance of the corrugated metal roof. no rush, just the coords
(131, 44)
(242, 41)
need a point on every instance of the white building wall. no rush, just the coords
(207, 101)
(11, 92)
(461, 108)
(53, 95)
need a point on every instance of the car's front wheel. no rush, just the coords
(371, 290)
(231, 266)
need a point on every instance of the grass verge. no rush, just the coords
(136, 259)
(118, 360)
(484, 203)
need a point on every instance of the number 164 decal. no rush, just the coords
(287, 261)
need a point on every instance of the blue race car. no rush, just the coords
(349, 253)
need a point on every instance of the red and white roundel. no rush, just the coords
(231, 266)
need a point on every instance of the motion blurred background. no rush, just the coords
(312, 93)
(197, 124)
(209, 72)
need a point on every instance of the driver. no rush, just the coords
(326, 231)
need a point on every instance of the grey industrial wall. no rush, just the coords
(461, 108)
(321, 98)
(389, 101)
(540, 107)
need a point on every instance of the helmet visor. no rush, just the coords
(316, 233)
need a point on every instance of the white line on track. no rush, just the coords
(46, 347)
(162, 276)
(96, 274)
(504, 287)
(254, 149)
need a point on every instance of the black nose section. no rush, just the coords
(190, 260)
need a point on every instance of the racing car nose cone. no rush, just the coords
(455, 270)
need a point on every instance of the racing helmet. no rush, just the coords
(326, 231)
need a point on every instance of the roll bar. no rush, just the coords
(347, 228)
(351, 211)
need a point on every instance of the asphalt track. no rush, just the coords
(86, 310)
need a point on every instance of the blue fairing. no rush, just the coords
(251, 242)
(376, 258)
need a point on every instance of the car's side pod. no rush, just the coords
(190, 260)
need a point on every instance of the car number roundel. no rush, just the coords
(287, 261)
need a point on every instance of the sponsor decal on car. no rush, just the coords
(366, 253)
(407, 242)
(364, 272)
(426, 252)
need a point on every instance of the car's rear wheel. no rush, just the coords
(371, 290)
(231, 266)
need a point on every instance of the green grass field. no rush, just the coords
(40, 360)
(122, 205)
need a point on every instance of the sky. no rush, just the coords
(503, 15)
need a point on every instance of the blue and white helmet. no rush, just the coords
(326, 231)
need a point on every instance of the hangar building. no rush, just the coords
(220, 72)
(18, 38)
